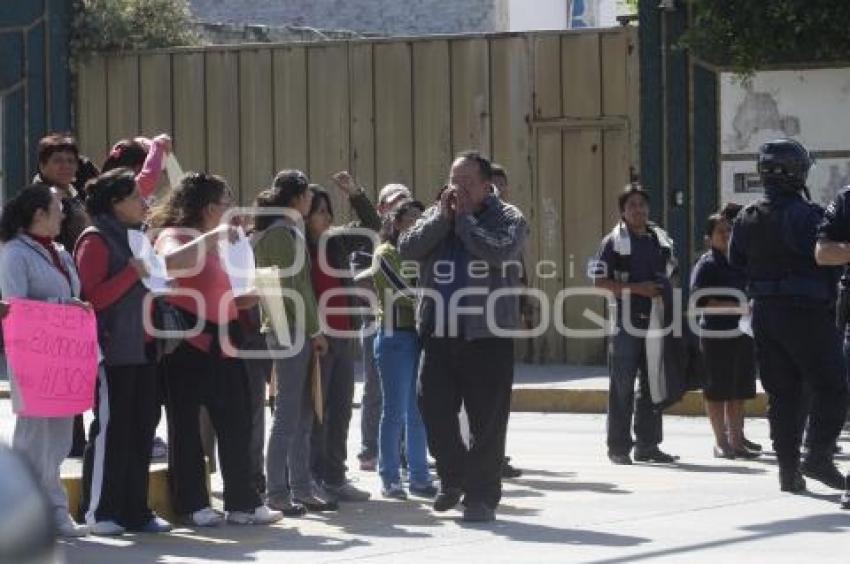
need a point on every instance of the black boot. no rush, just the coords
(823, 470)
(791, 480)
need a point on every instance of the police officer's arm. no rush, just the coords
(833, 248)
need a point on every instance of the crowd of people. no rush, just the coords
(769, 303)
(66, 240)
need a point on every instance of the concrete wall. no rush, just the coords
(530, 15)
(801, 104)
(387, 17)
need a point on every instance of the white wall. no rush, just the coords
(529, 15)
(811, 106)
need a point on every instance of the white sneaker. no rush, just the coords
(106, 528)
(206, 517)
(68, 528)
(260, 516)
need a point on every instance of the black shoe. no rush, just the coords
(479, 512)
(791, 480)
(429, 491)
(746, 454)
(824, 471)
(621, 459)
(750, 445)
(654, 455)
(316, 504)
(447, 499)
(509, 471)
(845, 497)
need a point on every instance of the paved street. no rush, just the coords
(570, 506)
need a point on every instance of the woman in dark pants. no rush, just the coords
(115, 466)
(200, 371)
(330, 437)
(729, 360)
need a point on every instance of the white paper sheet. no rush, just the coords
(174, 171)
(238, 261)
(745, 324)
(157, 279)
(268, 287)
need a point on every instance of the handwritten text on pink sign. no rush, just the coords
(53, 355)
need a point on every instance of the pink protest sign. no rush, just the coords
(53, 355)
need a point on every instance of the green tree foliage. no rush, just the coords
(749, 34)
(121, 25)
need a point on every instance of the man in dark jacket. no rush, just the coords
(468, 249)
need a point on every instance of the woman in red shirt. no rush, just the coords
(117, 457)
(330, 437)
(199, 372)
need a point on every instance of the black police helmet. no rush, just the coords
(784, 163)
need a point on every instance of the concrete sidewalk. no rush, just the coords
(570, 506)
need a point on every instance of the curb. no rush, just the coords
(560, 400)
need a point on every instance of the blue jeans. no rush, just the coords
(397, 358)
(626, 362)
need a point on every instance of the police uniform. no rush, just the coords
(773, 240)
(836, 228)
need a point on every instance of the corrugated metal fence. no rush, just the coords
(557, 109)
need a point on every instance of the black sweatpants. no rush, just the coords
(117, 457)
(194, 378)
(478, 374)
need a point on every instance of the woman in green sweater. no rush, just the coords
(279, 242)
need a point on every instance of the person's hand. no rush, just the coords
(448, 202)
(227, 232)
(80, 303)
(164, 140)
(344, 182)
(247, 301)
(4, 309)
(646, 289)
(140, 267)
(464, 202)
(319, 344)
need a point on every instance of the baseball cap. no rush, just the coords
(392, 192)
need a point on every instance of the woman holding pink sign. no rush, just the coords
(34, 267)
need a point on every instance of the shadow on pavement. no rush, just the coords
(528, 532)
(718, 468)
(564, 486)
(521, 492)
(237, 544)
(826, 523)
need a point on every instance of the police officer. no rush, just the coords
(833, 249)
(773, 240)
